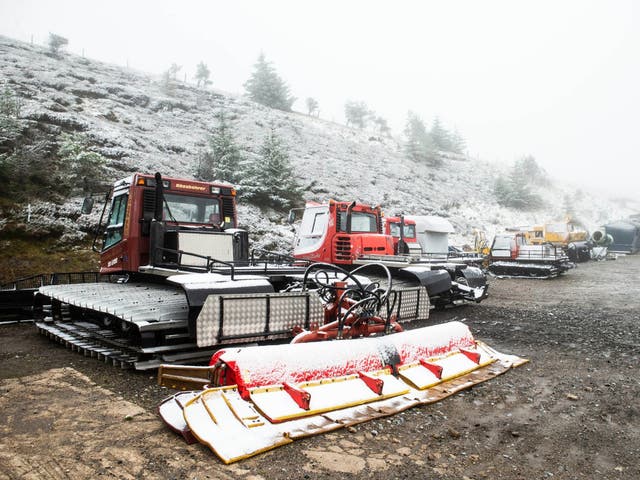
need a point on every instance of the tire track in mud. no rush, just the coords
(60, 424)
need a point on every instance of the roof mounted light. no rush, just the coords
(228, 191)
(151, 182)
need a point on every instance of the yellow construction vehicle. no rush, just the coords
(560, 233)
(480, 242)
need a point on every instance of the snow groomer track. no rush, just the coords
(136, 309)
(142, 325)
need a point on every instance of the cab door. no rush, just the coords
(114, 256)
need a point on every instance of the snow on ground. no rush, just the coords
(139, 126)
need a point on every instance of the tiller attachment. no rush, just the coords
(354, 310)
(262, 397)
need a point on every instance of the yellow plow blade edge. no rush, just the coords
(237, 423)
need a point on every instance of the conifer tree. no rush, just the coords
(56, 42)
(80, 167)
(267, 88)
(312, 106)
(528, 168)
(10, 107)
(440, 136)
(356, 113)
(382, 126)
(173, 71)
(515, 190)
(222, 160)
(10, 103)
(270, 180)
(418, 144)
(10, 130)
(169, 78)
(502, 191)
(458, 144)
(202, 75)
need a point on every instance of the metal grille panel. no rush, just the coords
(248, 317)
(412, 304)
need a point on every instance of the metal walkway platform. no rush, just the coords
(148, 306)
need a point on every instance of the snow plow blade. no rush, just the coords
(267, 396)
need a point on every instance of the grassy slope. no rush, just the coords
(23, 257)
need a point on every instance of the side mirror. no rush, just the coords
(292, 217)
(87, 205)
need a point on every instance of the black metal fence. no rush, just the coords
(36, 281)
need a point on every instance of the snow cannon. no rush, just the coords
(261, 397)
(601, 238)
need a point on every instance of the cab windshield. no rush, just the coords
(557, 228)
(409, 230)
(503, 242)
(191, 209)
(360, 222)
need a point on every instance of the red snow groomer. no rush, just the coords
(350, 234)
(404, 235)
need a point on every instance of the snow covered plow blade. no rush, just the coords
(263, 397)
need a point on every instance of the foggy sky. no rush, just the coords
(556, 80)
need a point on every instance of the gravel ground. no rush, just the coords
(571, 413)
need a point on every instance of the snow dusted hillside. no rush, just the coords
(139, 127)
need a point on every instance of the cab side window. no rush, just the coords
(115, 227)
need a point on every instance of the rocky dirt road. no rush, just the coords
(573, 412)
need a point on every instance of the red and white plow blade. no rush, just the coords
(271, 395)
